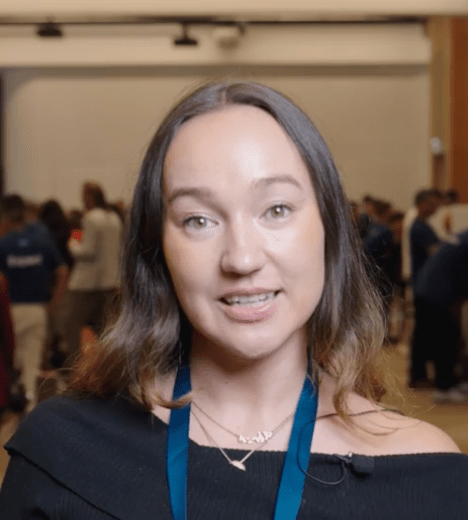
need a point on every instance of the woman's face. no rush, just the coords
(242, 234)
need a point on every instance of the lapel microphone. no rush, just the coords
(361, 466)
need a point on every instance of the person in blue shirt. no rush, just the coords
(29, 262)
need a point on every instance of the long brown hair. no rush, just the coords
(151, 333)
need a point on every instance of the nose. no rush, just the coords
(243, 250)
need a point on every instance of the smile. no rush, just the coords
(252, 300)
(250, 308)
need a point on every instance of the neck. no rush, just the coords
(249, 393)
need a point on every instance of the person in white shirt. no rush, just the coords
(93, 282)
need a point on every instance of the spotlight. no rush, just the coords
(185, 38)
(49, 30)
(228, 36)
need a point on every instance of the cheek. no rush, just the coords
(182, 276)
(176, 261)
(306, 263)
(303, 250)
(188, 268)
(314, 262)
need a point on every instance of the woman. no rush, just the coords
(246, 320)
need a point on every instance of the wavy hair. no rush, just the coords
(151, 333)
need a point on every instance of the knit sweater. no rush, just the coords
(92, 459)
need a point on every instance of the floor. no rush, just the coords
(453, 419)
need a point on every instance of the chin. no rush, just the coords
(241, 359)
(249, 343)
(252, 350)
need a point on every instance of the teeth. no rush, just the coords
(252, 300)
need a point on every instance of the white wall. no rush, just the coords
(66, 125)
(62, 130)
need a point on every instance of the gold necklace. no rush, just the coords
(239, 464)
(261, 437)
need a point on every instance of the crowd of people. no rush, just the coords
(415, 255)
(58, 274)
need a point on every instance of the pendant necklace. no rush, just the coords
(291, 487)
(261, 438)
(239, 464)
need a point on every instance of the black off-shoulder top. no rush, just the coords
(94, 459)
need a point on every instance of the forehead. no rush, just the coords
(241, 141)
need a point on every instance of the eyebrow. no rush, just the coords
(284, 178)
(206, 193)
(198, 193)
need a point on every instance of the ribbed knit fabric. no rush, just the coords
(92, 459)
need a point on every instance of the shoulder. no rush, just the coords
(418, 227)
(382, 432)
(9, 239)
(407, 435)
(46, 421)
(117, 222)
(76, 422)
(375, 430)
(113, 222)
(92, 216)
(103, 450)
(63, 430)
(424, 234)
(410, 215)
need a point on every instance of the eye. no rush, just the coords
(278, 211)
(197, 222)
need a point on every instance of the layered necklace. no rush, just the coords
(261, 438)
(289, 495)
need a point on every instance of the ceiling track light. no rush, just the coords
(185, 39)
(228, 36)
(49, 30)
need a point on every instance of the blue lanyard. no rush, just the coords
(288, 499)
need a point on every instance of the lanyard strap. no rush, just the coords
(291, 486)
(289, 497)
(177, 447)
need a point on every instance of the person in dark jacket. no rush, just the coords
(423, 243)
(53, 216)
(442, 285)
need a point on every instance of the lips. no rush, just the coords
(250, 300)
(250, 306)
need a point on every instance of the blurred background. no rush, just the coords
(379, 79)
(84, 85)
